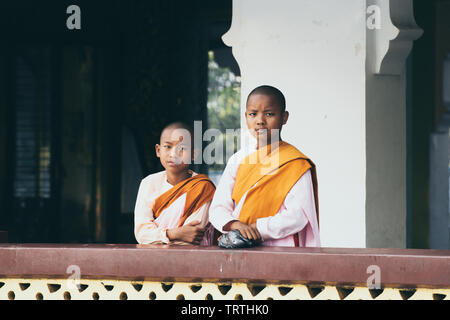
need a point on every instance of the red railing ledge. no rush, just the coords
(398, 267)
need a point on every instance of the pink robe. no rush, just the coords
(147, 229)
(296, 217)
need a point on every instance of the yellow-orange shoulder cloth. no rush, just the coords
(276, 172)
(200, 189)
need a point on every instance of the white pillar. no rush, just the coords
(314, 51)
(388, 46)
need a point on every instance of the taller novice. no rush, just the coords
(172, 205)
(268, 191)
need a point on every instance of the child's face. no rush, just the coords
(263, 115)
(175, 149)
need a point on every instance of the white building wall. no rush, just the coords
(314, 52)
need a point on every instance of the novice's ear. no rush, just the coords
(285, 116)
(157, 149)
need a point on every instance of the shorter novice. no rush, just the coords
(172, 205)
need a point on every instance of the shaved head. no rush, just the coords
(175, 149)
(179, 125)
(276, 95)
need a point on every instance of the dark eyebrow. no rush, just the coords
(167, 142)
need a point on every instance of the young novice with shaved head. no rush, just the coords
(172, 205)
(269, 191)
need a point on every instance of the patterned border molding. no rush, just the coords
(107, 289)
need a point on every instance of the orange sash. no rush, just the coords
(276, 172)
(200, 189)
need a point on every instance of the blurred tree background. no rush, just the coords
(224, 94)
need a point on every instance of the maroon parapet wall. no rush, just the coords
(398, 267)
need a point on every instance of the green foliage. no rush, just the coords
(224, 94)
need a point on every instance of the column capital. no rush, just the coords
(390, 40)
